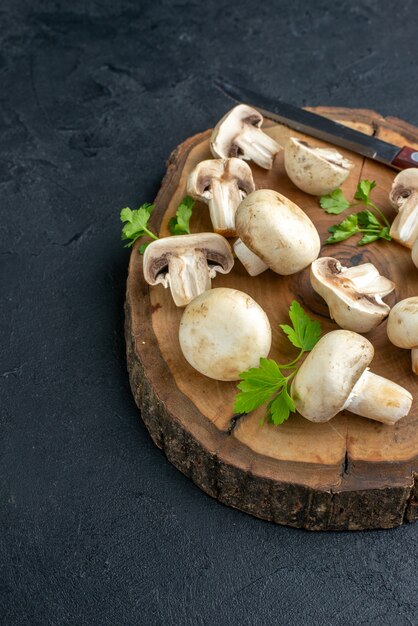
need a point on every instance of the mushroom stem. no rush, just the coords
(223, 205)
(414, 359)
(258, 146)
(252, 263)
(188, 276)
(378, 399)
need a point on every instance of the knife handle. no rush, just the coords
(407, 157)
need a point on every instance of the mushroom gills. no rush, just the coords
(252, 263)
(378, 399)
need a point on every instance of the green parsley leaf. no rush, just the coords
(368, 238)
(257, 385)
(343, 230)
(335, 202)
(385, 234)
(279, 409)
(136, 223)
(179, 225)
(305, 332)
(364, 189)
(367, 219)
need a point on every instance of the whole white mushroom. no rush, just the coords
(223, 332)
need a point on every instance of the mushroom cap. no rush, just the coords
(326, 378)
(402, 327)
(223, 332)
(231, 125)
(353, 294)
(404, 185)
(157, 255)
(317, 171)
(224, 170)
(277, 231)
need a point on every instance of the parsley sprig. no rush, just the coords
(366, 222)
(179, 225)
(136, 222)
(269, 383)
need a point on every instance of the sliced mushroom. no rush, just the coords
(317, 171)
(223, 332)
(353, 294)
(222, 184)
(335, 376)
(187, 263)
(276, 231)
(238, 134)
(404, 198)
(402, 327)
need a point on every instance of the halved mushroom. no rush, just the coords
(404, 198)
(317, 171)
(187, 263)
(335, 376)
(276, 231)
(353, 294)
(223, 332)
(222, 184)
(402, 327)
(238, 134)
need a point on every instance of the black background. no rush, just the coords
(96, 526)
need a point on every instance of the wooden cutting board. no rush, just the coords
(350, 473)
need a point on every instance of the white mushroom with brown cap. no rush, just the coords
(402, 327)
(274, 233)
(316, 171)
(238, 134)
(335, 376)
(353, 294)
(187, 263)
(222, 184)
(223, 332)
(404, 198)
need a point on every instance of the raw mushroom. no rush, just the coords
(274, 232)
(317, 171)
(402, 327)
(222, 184)
(187, 263)
(335, 376)
(404, 198)
(353, 294)
(238, 134)
(223, 332)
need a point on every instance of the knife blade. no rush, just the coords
(323, 128)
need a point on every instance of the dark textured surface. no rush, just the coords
(96, 526)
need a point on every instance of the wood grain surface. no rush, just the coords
(349, 473)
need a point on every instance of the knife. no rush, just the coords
(324, 128)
